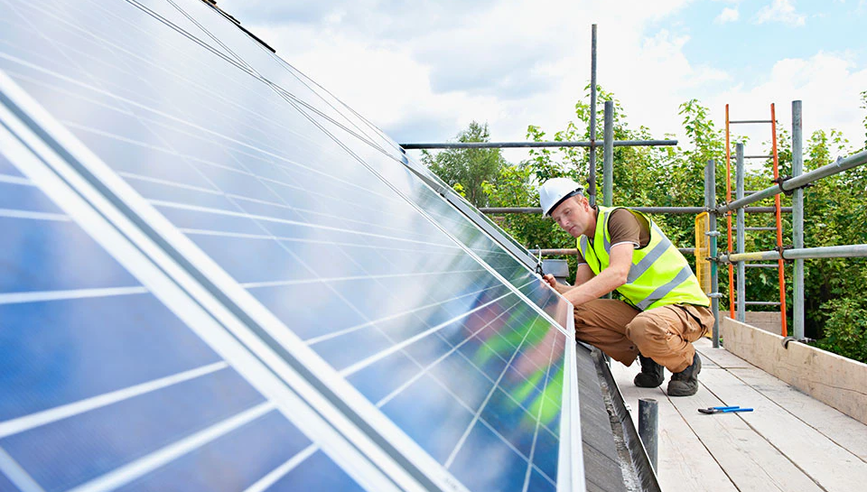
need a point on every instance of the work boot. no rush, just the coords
(651, 374)
(685, 382)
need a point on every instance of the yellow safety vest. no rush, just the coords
(659, 275)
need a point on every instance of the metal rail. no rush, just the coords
(848, 251)
(574, 251)
(797, 222)
(512, 145)
(591, 174)
(842, 164)
(649, 210)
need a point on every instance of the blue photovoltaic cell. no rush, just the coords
(483, 445)
(57, 352)
(28, 198)
(6, 485)
(236, 460)
(63, 344)
(40, 255)
(317, 473)
(97, 442)
(7, 169)
(318, 222)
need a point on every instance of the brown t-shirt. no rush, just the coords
(624, 227)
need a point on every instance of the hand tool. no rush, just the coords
(724, 409)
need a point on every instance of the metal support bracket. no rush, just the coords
(783, 179)
(782, 250)
(785, 341)
(539, 262)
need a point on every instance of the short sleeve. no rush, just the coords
(623, 227)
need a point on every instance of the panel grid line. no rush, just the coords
(17, 180)
(208, 232)
(430, 366)
(16, 474)
(478, 413)
(23, 214)
(385, 353)
(56, 295)
(142, 466)
(38, 419)
(197, 208)
(328, 336)
(539, 419)
(326, 280)
(272, 477)
(183, 186)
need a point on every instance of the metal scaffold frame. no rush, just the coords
(794, 185)
(791, 185)
(740, 313)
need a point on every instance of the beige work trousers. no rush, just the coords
(665, 334)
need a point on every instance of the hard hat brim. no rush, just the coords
(579, 191)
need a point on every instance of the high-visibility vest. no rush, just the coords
(659, 275)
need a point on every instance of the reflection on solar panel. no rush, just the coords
(213, 273)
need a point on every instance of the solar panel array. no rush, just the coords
(213, 273)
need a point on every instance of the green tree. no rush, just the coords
(468, 170)
(864, 106)
(835, 208)
(834, 211)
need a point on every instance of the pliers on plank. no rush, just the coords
(724, 409)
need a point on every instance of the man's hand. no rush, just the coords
(551, 281)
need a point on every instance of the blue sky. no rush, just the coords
(748, 49)
(423, 70)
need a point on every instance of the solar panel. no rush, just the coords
(355, 328)
(104, 385)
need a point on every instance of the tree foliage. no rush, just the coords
(835, 207)
(468, 170)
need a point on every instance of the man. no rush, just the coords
(664, 310)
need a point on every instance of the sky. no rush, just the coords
(422, 70)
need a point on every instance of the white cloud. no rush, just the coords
(811, 80)
(781, 11)
(728, 14)
(423, 76)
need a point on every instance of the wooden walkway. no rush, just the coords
(789, 443)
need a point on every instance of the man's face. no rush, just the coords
(574, 216)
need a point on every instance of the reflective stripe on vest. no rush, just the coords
(659, 274)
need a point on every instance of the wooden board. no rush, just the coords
(817, 457)
(835, 380)
(683, 461)
(790, 442)
(833, 424)
(750, 461)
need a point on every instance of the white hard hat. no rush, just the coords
(555, 190)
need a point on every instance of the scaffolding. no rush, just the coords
(741, 204)
(739, 299)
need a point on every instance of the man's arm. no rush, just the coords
(582, 275)
(614, 276)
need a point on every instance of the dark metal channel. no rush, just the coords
(636, 460)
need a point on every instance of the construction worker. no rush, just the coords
(664, 309)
